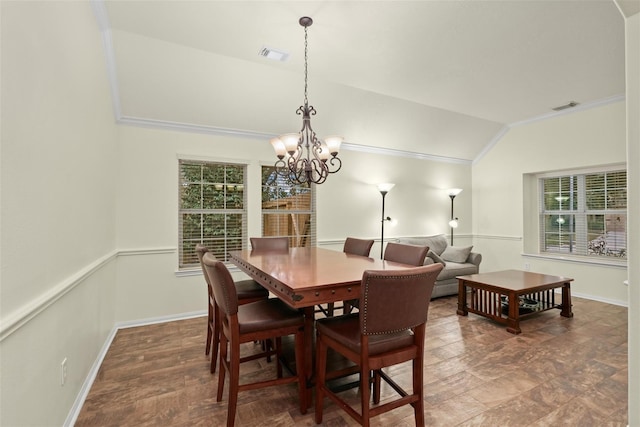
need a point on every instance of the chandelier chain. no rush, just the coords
(306, 101)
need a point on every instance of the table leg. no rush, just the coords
(566, 301)
(309, 329)
(462, 298)
(513, 321)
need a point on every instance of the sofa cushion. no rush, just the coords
(454, 269)
(456, 253)
(435, 258)
(437, 243)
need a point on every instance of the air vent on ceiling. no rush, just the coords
(275, 54)
(564, 107)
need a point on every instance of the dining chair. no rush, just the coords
(403, 253)
(406, 254)
(377, 337)
(247, 291)
(269, 243)
(260, 320)
(354, 246)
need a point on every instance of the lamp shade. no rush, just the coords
(385, 187)
(290, 141)
(278, 147)
(455, 191)
(453, 223)
(333, 144)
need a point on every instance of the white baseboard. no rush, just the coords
(95, 368)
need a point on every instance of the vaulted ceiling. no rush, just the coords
(435, 78)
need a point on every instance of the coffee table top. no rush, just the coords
(515, 280)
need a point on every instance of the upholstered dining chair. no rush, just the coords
(378, 337)
(406, 254)
(399, 252)
(247, 291)
(352, 246)
(260, 320)
(269, 243)
(355, 246)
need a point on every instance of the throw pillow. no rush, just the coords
(434, 256)
(456, 253)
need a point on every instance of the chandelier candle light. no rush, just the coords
(302, 158)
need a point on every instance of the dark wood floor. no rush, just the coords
(558, 372)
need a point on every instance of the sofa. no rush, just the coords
(457, 261)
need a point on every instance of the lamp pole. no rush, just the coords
(384, 189)
(453, 223)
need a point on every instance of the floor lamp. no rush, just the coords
(384, 189)
(453, 223)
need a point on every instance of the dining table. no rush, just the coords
(304, 277)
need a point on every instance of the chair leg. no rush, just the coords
(207, 349)
(234, 381)
(302, 382)
(330, 308)
(365, 392)
(321, 367)
(278, 356)
(216, 338)
(223, 367)
(376, 386)
(418, 407)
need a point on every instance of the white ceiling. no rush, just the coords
(441, 78)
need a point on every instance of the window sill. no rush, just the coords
(579, 260)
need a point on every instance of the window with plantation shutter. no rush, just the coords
(287, 209)
(584, 214)
(212, 209)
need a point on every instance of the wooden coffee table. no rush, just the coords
(507, 296)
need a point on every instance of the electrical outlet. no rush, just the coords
(63, 371)
(527, 267)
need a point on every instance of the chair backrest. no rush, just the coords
(357, 246)
(270, 243)
(406, 254)
(200, 251)
(224, 288)
(396, 300)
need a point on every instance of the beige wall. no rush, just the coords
(348, 204)
(57, 276)
(574, 140)
(632, 27)
(97, 205)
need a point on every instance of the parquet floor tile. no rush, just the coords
(559, 371)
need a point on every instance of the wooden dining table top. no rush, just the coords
(304, 277)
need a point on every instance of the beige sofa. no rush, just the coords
(457, 261)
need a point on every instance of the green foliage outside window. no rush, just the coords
(212, 209)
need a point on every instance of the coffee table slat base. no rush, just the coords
(518, 295)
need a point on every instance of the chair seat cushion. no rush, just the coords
(267, 314)
(346, 330)
(250, 289)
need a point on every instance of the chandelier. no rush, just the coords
(302, 158)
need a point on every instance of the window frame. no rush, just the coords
(183, 265)
(305, 238)
(577, 215)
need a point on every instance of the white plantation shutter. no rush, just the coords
(288, 209)
(212, 209)
(584, 214)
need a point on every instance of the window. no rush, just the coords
(212, 209)
(584, 214)
(287, 209)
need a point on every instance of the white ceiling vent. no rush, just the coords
(274, 54)
(564, 107)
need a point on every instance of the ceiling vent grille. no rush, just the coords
(564, 107)
(274, 54)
